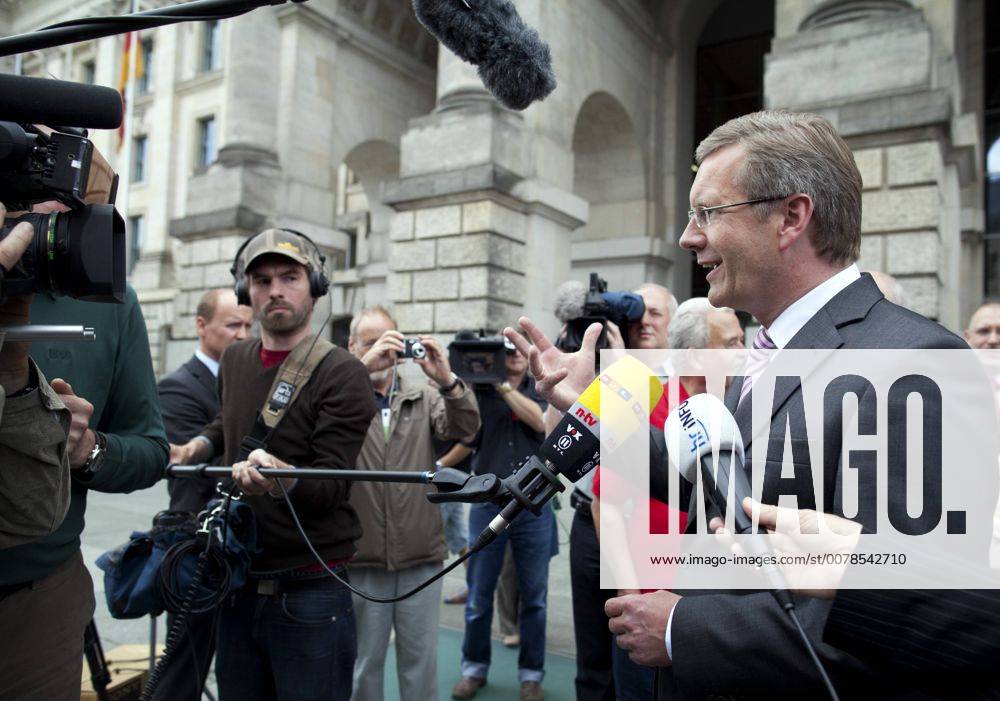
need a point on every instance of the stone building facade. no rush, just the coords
(343, 119)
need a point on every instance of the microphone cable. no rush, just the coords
(789, 607)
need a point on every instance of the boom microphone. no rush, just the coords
(694, 430)
(514, 64)
(59, 103)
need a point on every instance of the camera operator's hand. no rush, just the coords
(16, 310)
(614, 337)
(559, 377)
(81, 439)
(252, 482)
(435, 364)
(382, 355)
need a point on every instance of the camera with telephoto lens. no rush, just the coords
(413, 348)
(601, 306)
(478, 357)
(79, 253)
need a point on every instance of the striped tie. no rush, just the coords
(758, 359)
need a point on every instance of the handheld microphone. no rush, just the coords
(573, 448)
(697, 428)
(514, 64)
(59, 103)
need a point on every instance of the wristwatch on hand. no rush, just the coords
(97, 454)
(456, 381)
(505, 387)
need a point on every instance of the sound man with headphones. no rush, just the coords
(288, 398)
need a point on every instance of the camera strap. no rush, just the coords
(293, 375)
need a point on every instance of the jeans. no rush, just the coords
(456, 527)
(531, 543)
(298, 644)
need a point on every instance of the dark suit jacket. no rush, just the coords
(742, 645)
(189, 402)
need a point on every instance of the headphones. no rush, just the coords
(319, 283)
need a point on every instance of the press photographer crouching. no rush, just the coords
(289, 397)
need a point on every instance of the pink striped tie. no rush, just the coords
(756, 362)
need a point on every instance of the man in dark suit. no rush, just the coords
(189, 402)
(776, 217)
(188, 397)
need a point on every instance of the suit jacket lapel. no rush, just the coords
(202, 374)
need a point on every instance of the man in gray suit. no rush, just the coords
(776, 217)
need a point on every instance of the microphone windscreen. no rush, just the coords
(569, 300)
(514, 64)
(697, 426)
(59, 103)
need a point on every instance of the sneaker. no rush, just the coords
(467, 687)
(511, 640)
(458, 598)
(531, 691)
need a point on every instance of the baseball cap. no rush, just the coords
(283, 243)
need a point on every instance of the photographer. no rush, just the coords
(402, 538)
(513, 427)
(34, 481)
(116, 444)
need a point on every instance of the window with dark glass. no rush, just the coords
(145, 81)
(211, 46)
(139, 145)
(206, 142)
(136, 237)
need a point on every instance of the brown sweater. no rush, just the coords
(325, 427)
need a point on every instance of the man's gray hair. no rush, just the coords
(689, 327)
(789, 153)
(366, 312)
(671, 300)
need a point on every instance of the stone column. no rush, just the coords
(476, 239)
(882, 73)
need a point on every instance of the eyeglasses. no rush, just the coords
(703, 215)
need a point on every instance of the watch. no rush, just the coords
(457, 381)
(505, 387)
(97, 454)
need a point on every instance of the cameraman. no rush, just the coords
(34, 482)
(116, 444)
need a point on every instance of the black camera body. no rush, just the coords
(80, 253)
(413, 348)
(601, 306)
(479, 358)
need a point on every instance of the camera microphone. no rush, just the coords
(514, 64)
(59, 102)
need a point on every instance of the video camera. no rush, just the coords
(80, 253)
(479, 358)
(601, 306)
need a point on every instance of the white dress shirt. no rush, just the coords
(783, 330)
(211, 363)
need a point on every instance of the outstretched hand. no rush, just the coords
(559, 377)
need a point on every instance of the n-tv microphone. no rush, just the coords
(702, 438)
(573, 448)
(514, 64)
(58, 103)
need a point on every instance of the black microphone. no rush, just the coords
(58, 103)
(514, 64)
(692, 428)
(573, 447)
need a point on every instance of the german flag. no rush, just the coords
(131, 44)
